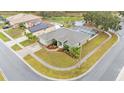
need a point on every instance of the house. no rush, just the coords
(64, 36)
(41, 28)
(34, 24)
(79, 23)
(86, 30)
(15, 20)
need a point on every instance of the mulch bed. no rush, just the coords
(52, 46)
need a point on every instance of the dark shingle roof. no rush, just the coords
(38, 27)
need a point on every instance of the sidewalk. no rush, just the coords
(12, 39)
(29, 49)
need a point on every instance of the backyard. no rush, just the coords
(66, 21)
(77, 71)
(15, 32)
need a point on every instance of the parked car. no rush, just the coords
(6, 27)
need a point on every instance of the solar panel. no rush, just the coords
(38, 27)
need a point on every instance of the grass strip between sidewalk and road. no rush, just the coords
(75, 72)
(1, 77)
(16, 47)
(3, 37)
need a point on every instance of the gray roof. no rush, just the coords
(85, 30)
(66, 35)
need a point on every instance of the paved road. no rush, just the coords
(13, 67)
(110, 66)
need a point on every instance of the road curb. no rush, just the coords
(5, 78)
(120, 74)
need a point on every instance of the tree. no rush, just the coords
(121, 13)
(22, 26)
(103, 20)
(31, 37)
(66, 47)
(75, 51)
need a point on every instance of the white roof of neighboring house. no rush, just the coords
(20, 18)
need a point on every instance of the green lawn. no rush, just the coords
(75, 72)
(64, 20)
(26, 42)
(1, 77)
(88, 47)
(3, 37)
(16, 47)
(15, 32)
(59, 59)
(1, 26)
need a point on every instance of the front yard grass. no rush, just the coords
(1, 77)
(15, 32)
(16, 47)
(75, 72)
(27, 42)
(59, 59)
(3, 37)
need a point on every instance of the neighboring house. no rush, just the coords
(86, 30)
(41, 28)
(79, 23)
(23, 18)
(2, 20)
(33, 23)
(64, 36)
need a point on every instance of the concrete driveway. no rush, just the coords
(13, 67)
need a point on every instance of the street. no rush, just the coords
(13, 67)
